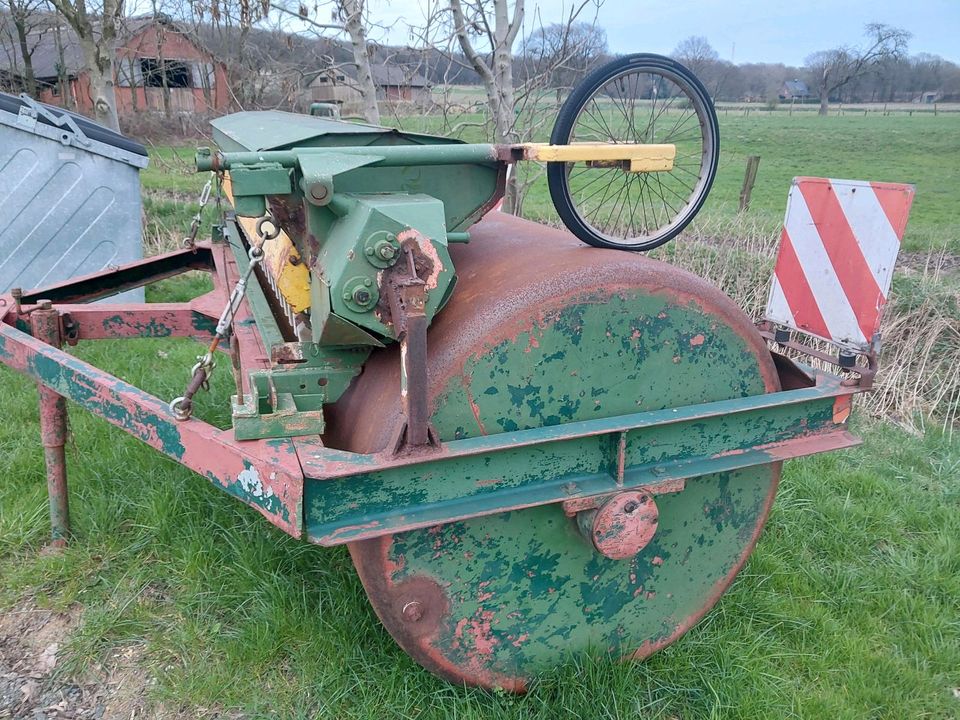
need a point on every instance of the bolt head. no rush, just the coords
(368, 282)
(387, 252)
(346, 296)
(412, 611)
(361, 296)
(319, 191)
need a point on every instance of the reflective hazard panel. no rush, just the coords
(838, 247)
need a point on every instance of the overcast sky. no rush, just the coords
(739, 30)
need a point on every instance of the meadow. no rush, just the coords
(848, 608)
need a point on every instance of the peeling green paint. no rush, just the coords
(525, 587)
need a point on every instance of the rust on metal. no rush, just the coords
(492, 304)
(45, 326)
(621, 527)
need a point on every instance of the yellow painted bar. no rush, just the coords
(292, 278)
(642, 158)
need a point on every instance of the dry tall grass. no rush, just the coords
(919, 377)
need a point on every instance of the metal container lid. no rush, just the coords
(69, 128)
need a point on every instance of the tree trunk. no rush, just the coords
(353, 22)
(160, 34)
(133, 85)
(162, 66)
(99, 55)
(824, 96)
(62, 80)
(27, 55)
(498, 78)
(102, 90)
(504, 108)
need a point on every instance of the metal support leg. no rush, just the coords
(45, 326)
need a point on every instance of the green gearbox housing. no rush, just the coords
(364, 206)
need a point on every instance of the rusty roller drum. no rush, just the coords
(543, 330)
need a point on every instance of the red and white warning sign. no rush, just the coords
(837, 251)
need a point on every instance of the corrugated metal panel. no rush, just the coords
(70, 205)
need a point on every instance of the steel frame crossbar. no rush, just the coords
(332, 496)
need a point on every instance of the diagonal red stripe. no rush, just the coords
(895, 199)
(800, 298)
(855, 276)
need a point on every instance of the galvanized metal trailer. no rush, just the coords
(579, 455)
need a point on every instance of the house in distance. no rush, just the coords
(394, 83)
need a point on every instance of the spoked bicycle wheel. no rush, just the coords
(640, 98)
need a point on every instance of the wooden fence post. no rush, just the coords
(749, 177)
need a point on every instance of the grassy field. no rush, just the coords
(849, 607)
(920, 149)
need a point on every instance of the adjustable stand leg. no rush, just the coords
(45, 326)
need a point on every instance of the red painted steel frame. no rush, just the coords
(268, 475)
(265, 474)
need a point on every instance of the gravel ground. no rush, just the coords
(32, 687)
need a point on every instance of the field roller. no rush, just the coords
(532, 446)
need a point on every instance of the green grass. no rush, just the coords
(849, 607)
(919, 149)
(922, 149)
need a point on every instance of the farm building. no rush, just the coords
(151, 53)
(394, 84)
(331, 85)
(928, 97)
(794, 90)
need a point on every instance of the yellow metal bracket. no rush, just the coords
(281, 261)
(632, 157)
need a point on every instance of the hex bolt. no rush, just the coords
(346, 296)
(44, 304)
(630, 507)
(412, 611)
(386, 252)
(368, 282)
(361, 296)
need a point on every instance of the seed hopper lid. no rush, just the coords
(256, 130)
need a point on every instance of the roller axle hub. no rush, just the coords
(622, 526)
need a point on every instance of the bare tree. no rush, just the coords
(697, 54)
(26, 19)
(564, 52)
(353, 19)
(476, 39)
(96, 30)
(832, 69)
(492, 20)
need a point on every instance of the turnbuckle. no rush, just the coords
(182, 407)
(191, 239)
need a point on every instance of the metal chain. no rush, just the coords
(191, 239)
(182, 407)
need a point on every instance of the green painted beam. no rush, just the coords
(382, 155)
(496, 473)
